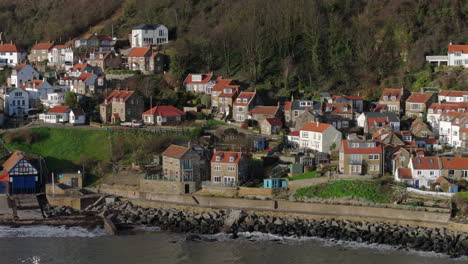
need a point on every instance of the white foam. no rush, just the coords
(50, 231)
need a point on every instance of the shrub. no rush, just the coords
(9, 137)
(27, 136)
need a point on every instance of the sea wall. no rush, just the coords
(439, 240)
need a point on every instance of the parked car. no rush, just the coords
(134, 123)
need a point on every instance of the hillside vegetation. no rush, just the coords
(289, 47)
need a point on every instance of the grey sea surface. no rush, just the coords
(43, 244)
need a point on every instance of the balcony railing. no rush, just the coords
(222, 185)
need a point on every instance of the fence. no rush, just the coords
(435, 194)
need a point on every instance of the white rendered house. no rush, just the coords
(149, 34)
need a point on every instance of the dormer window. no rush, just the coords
(385, 98)
(439, 111)
(231, 159)
(303, 103)
(121, 100)
(245, 100)
(329, 108)
(227, 90)
(393, 98)
(239, 100)
(218, 158)
(345, 109)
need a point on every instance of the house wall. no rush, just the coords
(14, 102)
(138, 36)
(167, 187)
(27, 73)
(13, 59)
(38, 55)
(454, 60)
(366, 165)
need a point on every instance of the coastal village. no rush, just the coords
(407, 150)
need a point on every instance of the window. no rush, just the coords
(217, 179)
(431, 173)
(451, 172)
(296, 113)
(376, 156)
(457, 53)
(458, 62)
(231, 169)
(371, 156)
(464, 173)
(217, 168)
(419, 172)
(305, 134)
(415, 107)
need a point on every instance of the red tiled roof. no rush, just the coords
(373, 121)
(404, 173)
(80, 67)
(244, 95)
(294, 133)
(338, 108)
(10, 48)
(221, 84)
(225, 155)
(174, 151)
(419, 98)
(274, 121)
(59, 109)
(59, 47)
(454, 163)
(43, 46)
(380, 107)
(425, 163)
(12, 161)
(453, 93)
(139, 51)
(84, 76)
(205, 78)
(375, 150)
(347, 97)
(32, 84)
(164, 110)
(125, 95)
(265, 110)
(316, 127)
(19, 67)
(389, 92)
(287, 105)
(454, 48)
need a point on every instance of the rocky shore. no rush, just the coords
(125, 214)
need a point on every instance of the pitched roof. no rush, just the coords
(265, 110)
(274, 121)
(315, 127)
(245, 95)
(338, 108)
(164, 110)
(389, 92)
(349, 149)
(43, 46)
(391, 116)
(380, 108)
(59, 109)
(10, 163)
(294, 133)
(19, 67)
(8, 47)
(85, 76)
(374, 121)
(226, 155)
(80, 67)
(455, 48)
(419, 98)
(148, 26)
(404, 173)
(124, 95)
(450, 93)
(139, 51)
(222, 83)
(426, 163)
(174, 151)
(454, 163)
(205, 78)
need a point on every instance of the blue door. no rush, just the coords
(416, 184)
(24, 184)
(3, 187)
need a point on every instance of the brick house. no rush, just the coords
(40, 51)
(243, 104)
(269, 126)
(418, 103)
(358, 157)
(163, 114)
(101, 61)
(183, 164)
(393, 100)
(295, 108)
(146, 59)
(121, 105)
(420, 130)
(228, 168)
(456, 168)
(223, 95)
(262, 112)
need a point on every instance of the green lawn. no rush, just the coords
(211, 123)
(63, 147)
(371, 191)
(307, 175)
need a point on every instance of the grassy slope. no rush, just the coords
(62, 148)
(307, 175)
(371, 191)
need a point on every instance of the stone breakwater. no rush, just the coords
(438, 240)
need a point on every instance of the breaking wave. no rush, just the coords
(50, 231)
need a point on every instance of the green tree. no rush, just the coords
(71, 99)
